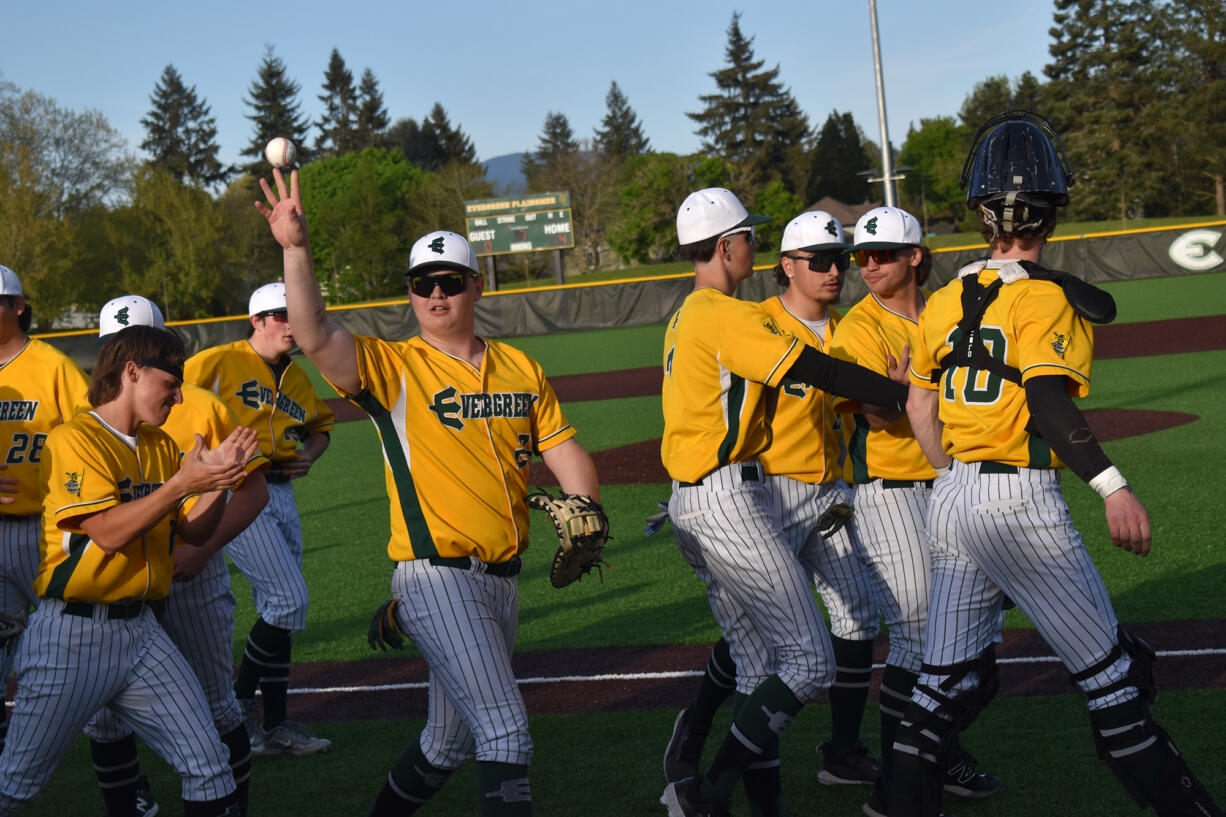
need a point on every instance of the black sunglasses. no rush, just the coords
(822, 261)
(887, 256)
(281, 314)
(452, 283)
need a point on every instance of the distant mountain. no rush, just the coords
(504, 173)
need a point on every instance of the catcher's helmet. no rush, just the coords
(1021, 159)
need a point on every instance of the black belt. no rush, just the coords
(749, 473)
(990, 467)
(505, 570)
(905, 483)
(118, 610)
(276, 477)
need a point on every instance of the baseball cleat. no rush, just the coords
(289, 738)
(854, 768)
(146, 806)
(683, 750)
(963, 779)
(255, 729)
(683, 800)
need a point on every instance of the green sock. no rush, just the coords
(503, 789)
(754, 734)
(764, 787)
(717, 684)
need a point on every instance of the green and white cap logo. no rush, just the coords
(884, 228)
(128, 310)
(812, 231)
(441, 249)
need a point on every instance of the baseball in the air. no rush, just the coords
(280, 152)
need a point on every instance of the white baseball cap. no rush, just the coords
(268, 298)
(811, 231)
(441, 249)
(10, 284)
(128, 310)
(714, 211)
(886, 228)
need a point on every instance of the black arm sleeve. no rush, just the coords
(1061, 424)
(848, 380)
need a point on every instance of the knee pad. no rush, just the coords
(1140, 670)
(962, 707)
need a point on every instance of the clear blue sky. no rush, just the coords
(498, 68)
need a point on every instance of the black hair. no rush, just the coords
(699, 252)
(26, 318)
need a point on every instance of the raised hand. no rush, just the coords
(284, 211)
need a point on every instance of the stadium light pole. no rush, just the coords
(887, 161)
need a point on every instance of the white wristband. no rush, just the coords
(943, 470)
(1108, 482)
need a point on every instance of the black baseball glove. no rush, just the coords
(582, 528)
(383, 631)
(832, 521)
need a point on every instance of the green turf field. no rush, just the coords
(1040, 746)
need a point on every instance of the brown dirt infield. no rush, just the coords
(639, 462)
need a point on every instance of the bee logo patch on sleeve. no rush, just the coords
(1060, 344)
(73, 484)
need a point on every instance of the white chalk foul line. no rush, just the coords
(675, 674)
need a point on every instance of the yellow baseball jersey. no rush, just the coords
(204, 413)
(284, 410)
(867, 335)
(457, 442)
(40, 388)
(723, 358)
(1029, 326)
(86, 468)
(804, 442)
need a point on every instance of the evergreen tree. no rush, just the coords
(752, 120)
(275, 112)
(1106, 91)
(180, 133)
(555, 146)
(1197, 108)
(338, 125)
(449, 144)
(837, 160)
(434, 143)
(372, 116)
(621, 133)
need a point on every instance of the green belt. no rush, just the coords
(505, 570)
(749, 473)
(990, 467)
(122, 609)
(906, 483)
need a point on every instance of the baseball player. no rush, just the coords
(893, 480)
(258, 380)
(804, 483)
(724, 360)
(117, 497)
(1000, 352)
(41, 388)
(199, 612)
(459, 417)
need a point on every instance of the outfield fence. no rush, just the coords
(1096, 257)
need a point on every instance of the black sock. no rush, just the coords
(764, 787)
(410, 783)
(117, 765)
(849, 694)
(897, 684)
(239, 744)
(265, 664)
(221, 807)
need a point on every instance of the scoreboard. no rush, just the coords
(532, 223)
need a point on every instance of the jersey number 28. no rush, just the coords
(25, 446)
